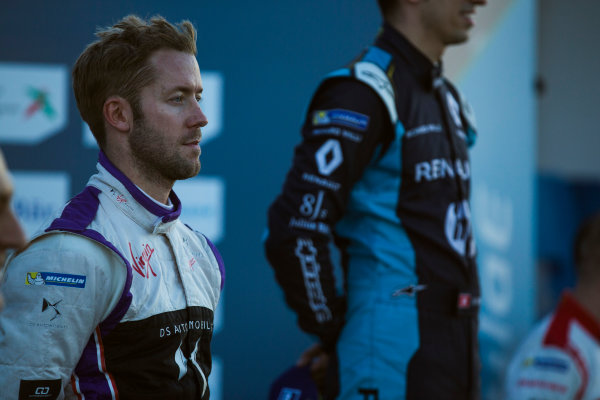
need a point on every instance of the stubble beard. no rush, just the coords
(157, 159)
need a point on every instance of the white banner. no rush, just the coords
(37, 196)
(33, 102)
(203, 202)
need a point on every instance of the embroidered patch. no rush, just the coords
(54, 279)
(546, 363)
(340, 116)
(40, 389)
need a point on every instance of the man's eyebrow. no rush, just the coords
(186, 89)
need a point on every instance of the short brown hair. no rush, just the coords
(117, 64)
(587, 248)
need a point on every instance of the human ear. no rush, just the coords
(117, 113)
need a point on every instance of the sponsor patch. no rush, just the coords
(546, 363)
(309, 225)
(312, 206)
(342, 117)
(423, 130)
(42, 389)
(544, 385)
(54, 279)
(307, 255)
(141, 262)
(317, 180)
(46, 305)
(329, 157)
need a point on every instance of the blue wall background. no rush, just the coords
(271, 55)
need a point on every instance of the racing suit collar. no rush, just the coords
(419, 64)
(568, 310)
(163, 215)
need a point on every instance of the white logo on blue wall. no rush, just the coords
(212, 104)
(495, 229)
(495, 217)
(498, 284)
(33, 102)
(38, 196)
(329, 157)
(458, 227)
(87, 137)
(203, 200)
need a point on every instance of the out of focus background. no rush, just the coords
(530, 72)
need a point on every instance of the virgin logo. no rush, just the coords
(141, 264)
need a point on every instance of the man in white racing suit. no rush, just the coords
(114, 298)
(560, 359)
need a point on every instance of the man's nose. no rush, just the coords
(198, 118)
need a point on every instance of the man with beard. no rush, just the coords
(115, 296)
(383, 174)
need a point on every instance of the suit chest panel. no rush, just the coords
(433, 155)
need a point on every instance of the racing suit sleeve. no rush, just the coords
(346, 124)
(56, 292)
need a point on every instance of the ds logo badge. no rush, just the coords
(46, 304)
(42, 390)
(39, 389)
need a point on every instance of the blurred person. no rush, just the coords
(383, 173)
(115, 296)
(11, 232)
(560, 358)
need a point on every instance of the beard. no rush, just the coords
(157, 158)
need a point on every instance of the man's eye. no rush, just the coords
(178, 99)
(198, 99)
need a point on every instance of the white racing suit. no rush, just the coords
(560, 359)
(113, 299)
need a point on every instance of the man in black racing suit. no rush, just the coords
(383, 173)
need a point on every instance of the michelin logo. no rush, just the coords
(53, 279)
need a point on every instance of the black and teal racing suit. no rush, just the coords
(383, 174)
